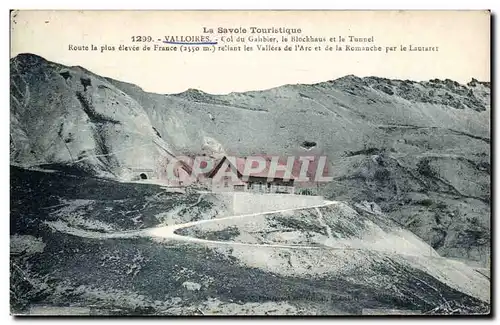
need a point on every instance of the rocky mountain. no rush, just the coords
(93, 246)
(419, 150)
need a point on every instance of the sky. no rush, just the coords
(463, 39)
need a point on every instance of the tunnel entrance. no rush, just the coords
(143, 176)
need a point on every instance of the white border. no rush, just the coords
(185, 4)
(246, 5)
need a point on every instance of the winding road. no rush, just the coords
(459, 270)
(168, 232)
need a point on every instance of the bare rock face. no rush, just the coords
(419, 150)
(70, 116)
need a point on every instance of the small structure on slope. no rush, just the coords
(231, 176)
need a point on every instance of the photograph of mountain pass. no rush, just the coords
(348, 196)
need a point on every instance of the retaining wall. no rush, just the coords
(246, 203)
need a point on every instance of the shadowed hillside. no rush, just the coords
(354, 266)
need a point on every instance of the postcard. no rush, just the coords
(220, 163)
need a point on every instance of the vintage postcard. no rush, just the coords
(167, 163)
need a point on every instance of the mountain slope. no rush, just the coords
(342, 260)
(71, 116)
(420, 150)
(338, 115)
